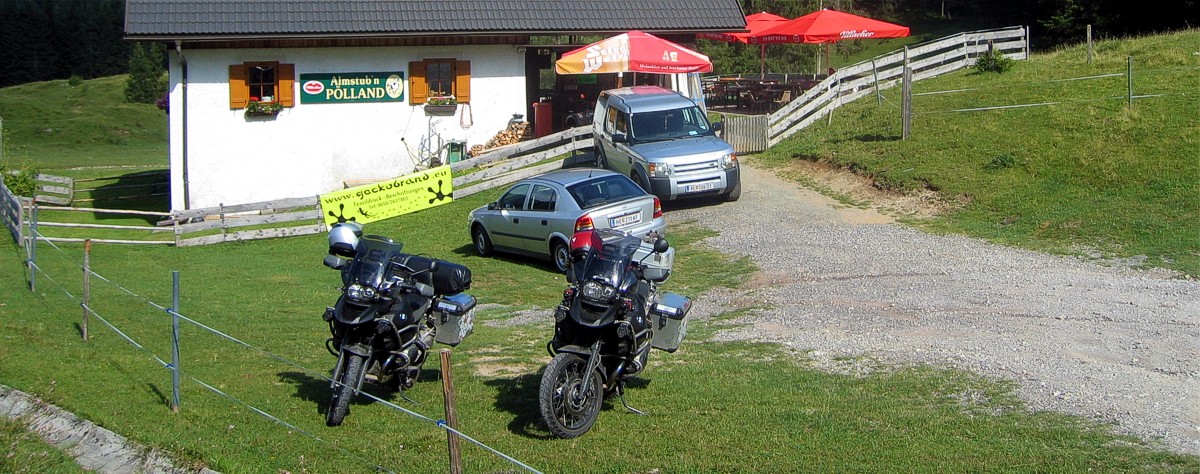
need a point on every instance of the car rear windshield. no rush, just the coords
(604, 190)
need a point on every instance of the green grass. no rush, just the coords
(58, 126)
(1086, 176)
(22, 451)
(706, 401)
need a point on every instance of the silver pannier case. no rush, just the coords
(454, 318)
(668, 315)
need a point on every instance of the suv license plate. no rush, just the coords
(695, 188)
(624, 220)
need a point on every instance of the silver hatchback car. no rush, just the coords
(537, 216)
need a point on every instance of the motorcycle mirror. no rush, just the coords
(335, 262)
(661, 245)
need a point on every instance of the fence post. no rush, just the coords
(32, 252)
(1129, 82)
(451, 414)
(175, 341)
(1089, 42)
(875, 74)
(87, 284)
(906, 100)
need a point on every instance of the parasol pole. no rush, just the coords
(762, 59)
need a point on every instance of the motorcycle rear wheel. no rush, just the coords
(339, 406)
(566, 410)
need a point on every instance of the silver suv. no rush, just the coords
(664, 142)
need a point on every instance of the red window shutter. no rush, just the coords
(286, 75)
(418, 89)
(239, 92)
(462, 81)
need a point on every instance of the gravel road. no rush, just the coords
(1107, 343)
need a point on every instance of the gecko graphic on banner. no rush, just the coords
(378, 201)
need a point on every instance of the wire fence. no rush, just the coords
(1124, 91)
(83, 298)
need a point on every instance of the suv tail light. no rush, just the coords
(657, 208)
(584, 222)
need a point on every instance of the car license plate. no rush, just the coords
(695, 188)
(624, 220)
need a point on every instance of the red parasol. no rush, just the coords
(634, 51)
(828, 26)
(756, 23)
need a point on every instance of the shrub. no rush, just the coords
(993, 61)
(21, 181)
(75, 80)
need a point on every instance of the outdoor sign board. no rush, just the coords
(378, 201)
(350, 87)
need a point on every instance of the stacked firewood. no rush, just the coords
(516, 132)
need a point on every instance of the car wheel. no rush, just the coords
(601, 161)
(641, 182)
(735, 193)
(561, 255)
(483, 243)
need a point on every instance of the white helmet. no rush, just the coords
(343, 238)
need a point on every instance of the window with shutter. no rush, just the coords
(439, 78)
(262, 86)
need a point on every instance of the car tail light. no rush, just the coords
(584, 222)
(657, 209)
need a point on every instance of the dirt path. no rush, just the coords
(1110, 344)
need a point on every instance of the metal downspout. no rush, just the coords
(184, 136)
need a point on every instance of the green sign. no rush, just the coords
(352, 87)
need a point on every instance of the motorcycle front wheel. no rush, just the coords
(567, 409)
(339, 406)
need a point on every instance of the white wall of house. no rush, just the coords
(312, 149)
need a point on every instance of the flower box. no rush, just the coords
(431, 109)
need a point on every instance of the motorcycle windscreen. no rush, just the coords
(371, 262)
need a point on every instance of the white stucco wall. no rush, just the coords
(311, 149)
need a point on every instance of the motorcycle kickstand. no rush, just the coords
(621, 394)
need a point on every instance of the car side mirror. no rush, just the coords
(717, 126)
(661, 245)
(491, 206)
(620, 138)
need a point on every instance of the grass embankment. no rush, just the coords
(1075, 173)
(55, 126)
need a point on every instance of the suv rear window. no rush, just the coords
(604, 190)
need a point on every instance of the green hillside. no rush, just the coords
(1059, 164)
(56, 125)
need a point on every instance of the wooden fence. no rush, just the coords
(13, 208)
(749, 134)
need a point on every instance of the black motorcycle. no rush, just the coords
(393, 307)
(610, 316)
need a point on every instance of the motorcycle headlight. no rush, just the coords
(659, 170)
(729, 161)
(360, 294)
(597, 291)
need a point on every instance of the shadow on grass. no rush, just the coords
(143, 191)
(318, 392)
(518, 395)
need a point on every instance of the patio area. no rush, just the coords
(755, 94)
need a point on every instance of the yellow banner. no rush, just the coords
(373, 202)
